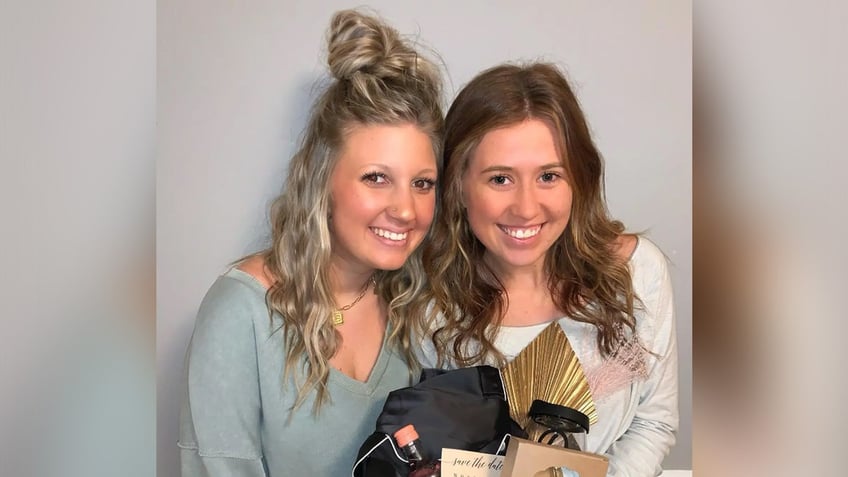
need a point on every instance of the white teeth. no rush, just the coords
(390, 235)
(522, 233)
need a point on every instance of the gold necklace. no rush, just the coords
(338, 316)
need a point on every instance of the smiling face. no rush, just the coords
(382, 193)
(517, 197)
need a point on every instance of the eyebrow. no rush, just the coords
(384, 167)
(552, 165)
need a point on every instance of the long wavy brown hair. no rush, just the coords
(378, 78)
(586, 278)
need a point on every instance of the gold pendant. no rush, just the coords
(338, 318)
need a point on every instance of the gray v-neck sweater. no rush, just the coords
(234, 413)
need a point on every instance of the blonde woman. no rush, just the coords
(295, 348)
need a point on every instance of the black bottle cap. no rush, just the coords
(559, 418)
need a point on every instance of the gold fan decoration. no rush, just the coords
(547, 369)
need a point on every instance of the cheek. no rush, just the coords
(561, 203)
(558, 200)
(484, 207)
(561, 208)
(352, 205)
(567, 203)
(340, 196)
(467, 195)
(425, 209)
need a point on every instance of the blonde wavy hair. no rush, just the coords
(586, 278)
(378, 78)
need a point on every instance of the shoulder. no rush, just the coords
(653, 287)
(231, 307)
(648, 264)
(625, 245)
(647, 261)
(233, 291)
(256, 268)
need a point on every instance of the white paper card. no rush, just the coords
(461, 463)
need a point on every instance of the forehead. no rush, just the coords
(386, 143)
(529, 142)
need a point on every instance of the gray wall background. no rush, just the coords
(235, 80)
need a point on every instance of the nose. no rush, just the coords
(402, 206)
(526, 203)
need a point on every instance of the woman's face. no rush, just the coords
(516, 194)
(382, 196)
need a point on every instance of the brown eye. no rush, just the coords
(375, 178)
(499, 180)
(424, 184)
(549, 177)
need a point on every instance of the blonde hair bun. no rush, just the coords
(361, 44)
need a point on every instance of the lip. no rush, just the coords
(514, 232)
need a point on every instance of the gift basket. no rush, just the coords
(535, 412)
(464, 408)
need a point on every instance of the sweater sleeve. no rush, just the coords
(639, 452)
(221, 409)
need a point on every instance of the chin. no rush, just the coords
(523, 262)
(384, 263)
(390, 267)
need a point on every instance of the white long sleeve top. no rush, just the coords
(637, 412)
